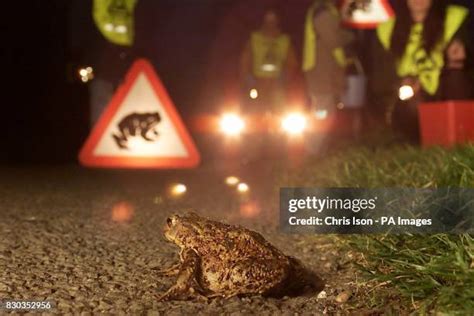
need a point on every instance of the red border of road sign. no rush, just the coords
(87, 157)
(372, 25)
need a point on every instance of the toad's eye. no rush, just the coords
(169, 221)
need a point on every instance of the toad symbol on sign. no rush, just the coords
(137, 124)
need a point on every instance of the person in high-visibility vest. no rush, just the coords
(267, 60)
(426, 50)
(324, 56)
(115, 21)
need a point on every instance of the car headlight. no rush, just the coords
(406, 92)
(294, 123)
(243, 188)
(232, 124)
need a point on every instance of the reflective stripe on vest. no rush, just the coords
(309, 45)
(416, 61)
(115, 20)
(268, 54)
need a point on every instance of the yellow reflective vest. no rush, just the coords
(416, 62)
(268, 54)
(309, 45)
(115, 20)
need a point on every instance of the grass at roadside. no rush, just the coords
(429, 273)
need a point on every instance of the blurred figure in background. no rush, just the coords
(423, 54)
(115, 21)
(113, 54)
(268, 60)
(324, 57)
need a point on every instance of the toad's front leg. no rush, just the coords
(171, 271)
(186, 285)
(174, 269)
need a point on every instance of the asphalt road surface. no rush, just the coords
(91, 240)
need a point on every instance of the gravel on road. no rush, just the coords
(91, 241)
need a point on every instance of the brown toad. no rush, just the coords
(217, 259)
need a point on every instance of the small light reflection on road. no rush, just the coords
(250, 209)
(122, 212)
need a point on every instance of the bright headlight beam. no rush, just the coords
(231, 124)
(294, 123)
(406, 92)
(243, 187)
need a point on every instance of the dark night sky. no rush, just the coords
(194, 45)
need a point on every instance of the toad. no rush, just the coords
(221, 260)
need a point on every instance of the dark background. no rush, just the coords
(193, 44)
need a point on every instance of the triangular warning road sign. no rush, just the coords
(366, 14)
(140, 128)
